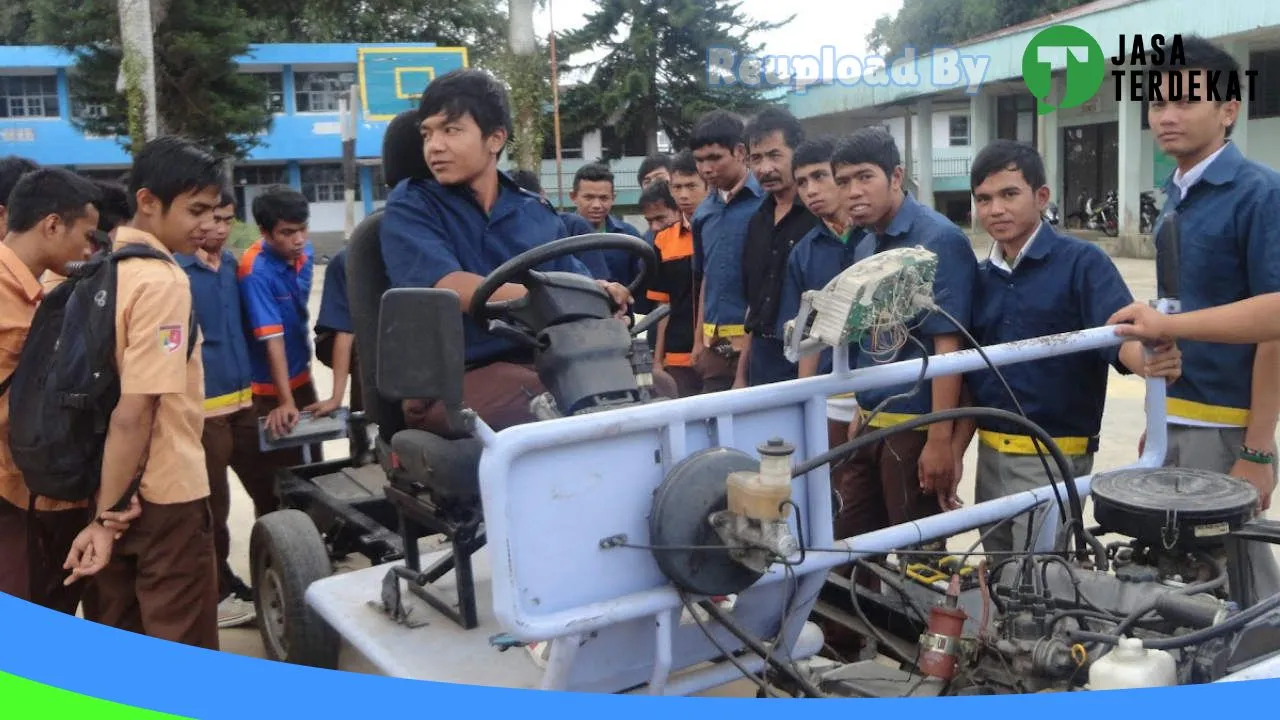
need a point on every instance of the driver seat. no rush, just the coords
(433, 482)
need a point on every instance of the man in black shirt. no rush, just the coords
(772, 137)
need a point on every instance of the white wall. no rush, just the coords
(332, 216)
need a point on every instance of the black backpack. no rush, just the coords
(66, 385)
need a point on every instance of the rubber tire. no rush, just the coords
(286, 544)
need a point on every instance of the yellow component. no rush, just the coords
(1079, 654)
(925, 574)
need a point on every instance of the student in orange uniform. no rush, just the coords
(52, 221)
(160, 578)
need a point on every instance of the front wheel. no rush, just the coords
(287, 554)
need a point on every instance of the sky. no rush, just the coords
(842, 24)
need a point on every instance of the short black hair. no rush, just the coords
(593, 172)
(771, 120)
(1001, 155)
(651, 163)
(228, 196)
(402, 156)
(49, 191)
(1199, 53)
(528, 180)
(468, 92)
(280, 203)
(659, 193)
(684, 164)
(12, 167)
(813, 152)
(872, 145)
(718, 127)
(113, 205)
(170, 166)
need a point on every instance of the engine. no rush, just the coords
(1154, 608)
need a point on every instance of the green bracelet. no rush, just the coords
(1256, 456)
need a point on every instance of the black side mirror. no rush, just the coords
(420, 347)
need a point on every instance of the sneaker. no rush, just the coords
(234, 612)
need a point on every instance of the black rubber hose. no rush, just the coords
(1226, 627)
(1064, 467)
(758, 648)
(1206, 586)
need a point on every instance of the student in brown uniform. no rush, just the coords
(160, 578)
(52, 221)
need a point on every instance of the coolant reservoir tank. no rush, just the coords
(762, 496)
(1130, 666)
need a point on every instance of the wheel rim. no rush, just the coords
(273, 615)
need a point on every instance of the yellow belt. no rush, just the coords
(1024, 445)
(886, 420)
(1207, 413)
(711, 330)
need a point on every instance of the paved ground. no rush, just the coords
(1123, 423)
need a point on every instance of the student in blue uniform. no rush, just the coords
(1223, 411)
(1037, 282)
(335, 340)
(275, 285)
(719, 236)
(230, 435)
(594, 194)
(451, 231)
(911, 474)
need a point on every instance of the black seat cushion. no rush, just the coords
(448, 467)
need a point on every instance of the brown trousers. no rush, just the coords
(162, 580)
(718, 372)
(260, 477)
(687, 379)
(499, 393)
(880, 484)
(231, 441)
(35, 574)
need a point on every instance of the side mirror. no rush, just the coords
(420, 346)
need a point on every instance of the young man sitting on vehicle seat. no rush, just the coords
(451, 231)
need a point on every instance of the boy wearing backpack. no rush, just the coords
(160, 577)
(51, 222)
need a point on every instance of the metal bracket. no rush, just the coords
(393, 602)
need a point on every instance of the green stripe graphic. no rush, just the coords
(21, 699)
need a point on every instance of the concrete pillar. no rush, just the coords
(982, 127)
(1049, 143)
(1130, 161)
(924, 152)
(1239, 49)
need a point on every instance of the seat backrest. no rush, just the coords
(402, 159)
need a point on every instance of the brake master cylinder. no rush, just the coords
(755, 525)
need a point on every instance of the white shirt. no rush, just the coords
(996, 256)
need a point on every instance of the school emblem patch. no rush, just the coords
(170, 337)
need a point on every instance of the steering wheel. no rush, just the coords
(517, 268)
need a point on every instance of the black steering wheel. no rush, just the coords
(517, 268)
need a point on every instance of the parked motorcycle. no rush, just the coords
(1051, 214)
(1102, 216)
(1148, 212)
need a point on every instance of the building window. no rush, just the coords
(261, 175)
(322, 91)
(380, 189)
(1266, 96)
(29, 96)
(275, 90)
(323, 183)
(959, 130)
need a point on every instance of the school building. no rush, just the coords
(1101, 146)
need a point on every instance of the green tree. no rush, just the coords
(15, 22)
(200, 91)
(927, 24)
(653, 75)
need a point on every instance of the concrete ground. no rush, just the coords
(1123, 423)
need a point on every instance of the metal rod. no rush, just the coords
(555, 105)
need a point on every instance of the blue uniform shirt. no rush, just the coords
(719, 235)
(225, 352)
(816, 260)
(594, 260)
(430, 231)
(1060, 284)
(1229, 251)
(617, 266)
(918, 226)
(275, 294)
(335, 311)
